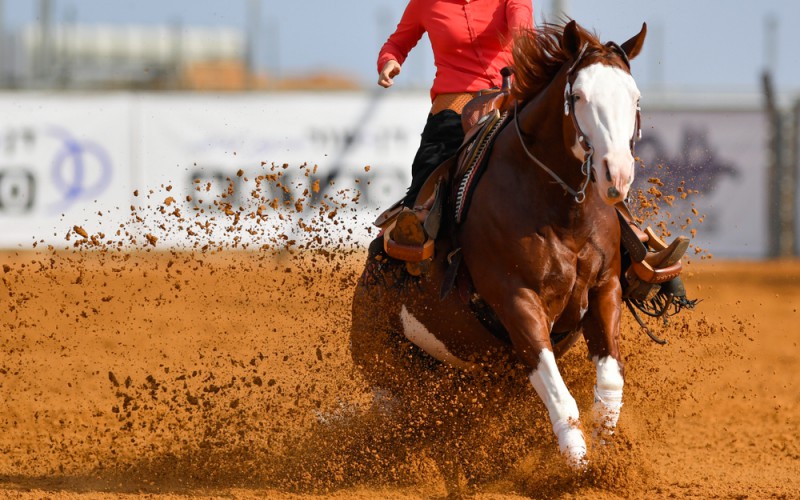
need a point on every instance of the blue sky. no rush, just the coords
(693, 44)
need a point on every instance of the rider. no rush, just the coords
(471, 42)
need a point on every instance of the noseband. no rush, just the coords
(583, 140)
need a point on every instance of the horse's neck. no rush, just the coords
(543, 121)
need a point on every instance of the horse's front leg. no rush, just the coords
(561, 406)
(601, 330)
(529, 328)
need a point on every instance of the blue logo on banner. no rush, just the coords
(80, 170)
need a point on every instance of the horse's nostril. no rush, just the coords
(613, 192)
(608, 170)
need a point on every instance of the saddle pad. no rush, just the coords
(475, 156)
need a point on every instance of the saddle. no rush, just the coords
(486, 102)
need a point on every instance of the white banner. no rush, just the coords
(63, 159)
(82, 156)
(358, 141)
(723, 156)
(796, 166)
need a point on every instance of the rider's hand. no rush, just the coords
(390, 70)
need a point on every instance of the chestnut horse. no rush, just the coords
(541, 245)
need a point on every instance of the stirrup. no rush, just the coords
(405, 239)
(667, 255)
(665, 264)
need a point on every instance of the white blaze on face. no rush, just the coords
(605, 108)
(416, 332)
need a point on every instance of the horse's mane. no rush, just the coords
(539, 54)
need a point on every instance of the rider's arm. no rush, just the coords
(405, 37)
(519, 14)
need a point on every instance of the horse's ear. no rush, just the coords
(633, 46)
(571, 40)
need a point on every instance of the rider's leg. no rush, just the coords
(440, 140)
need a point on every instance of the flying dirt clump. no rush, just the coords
(668, 211)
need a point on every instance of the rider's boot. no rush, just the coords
(406, 240)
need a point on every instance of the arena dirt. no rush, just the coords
(224, 370)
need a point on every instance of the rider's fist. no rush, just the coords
(390, 70)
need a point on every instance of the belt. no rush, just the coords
(453, 101)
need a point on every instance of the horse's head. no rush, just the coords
(603, 100)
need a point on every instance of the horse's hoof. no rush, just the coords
(571, 443)
(602, 435)
(576, 458)
(576, 455)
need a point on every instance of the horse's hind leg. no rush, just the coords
(607, 393)
(373, 310)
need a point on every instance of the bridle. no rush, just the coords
(569, 110)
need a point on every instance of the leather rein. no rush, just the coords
(569, 110)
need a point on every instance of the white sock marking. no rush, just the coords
(561, 406)
(607, 393)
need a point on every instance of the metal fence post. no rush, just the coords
(774, 161)
(792, 184)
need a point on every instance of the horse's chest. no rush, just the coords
(568, 293)
(573, 310)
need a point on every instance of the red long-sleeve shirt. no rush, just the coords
(471, 39)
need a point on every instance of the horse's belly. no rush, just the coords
(415, 331)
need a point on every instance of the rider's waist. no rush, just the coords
(454, 101)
